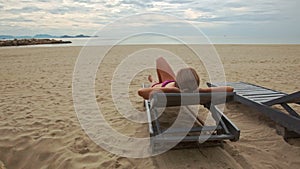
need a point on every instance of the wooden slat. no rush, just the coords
(256, 93)
(262, 99)
(248, 91)
(194, 129)
(254, 88)
(265, 97)
(261, 93)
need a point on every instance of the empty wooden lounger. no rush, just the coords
(223, 130)
(263, 98)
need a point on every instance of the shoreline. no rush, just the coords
(58, 45)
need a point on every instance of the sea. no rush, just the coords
(95, 41)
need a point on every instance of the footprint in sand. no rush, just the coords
(80, 146)
(123, 162)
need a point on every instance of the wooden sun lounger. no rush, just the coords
(225, 129)
(263, 98)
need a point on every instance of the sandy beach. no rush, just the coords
(39, 126)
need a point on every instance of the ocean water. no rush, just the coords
(142, 40)
(180, 40)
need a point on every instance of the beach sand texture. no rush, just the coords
(39, 127)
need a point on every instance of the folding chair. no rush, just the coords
(263, 98)
(224, 129)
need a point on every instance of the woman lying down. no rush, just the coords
(186, 80)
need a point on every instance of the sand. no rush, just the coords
(39, 127)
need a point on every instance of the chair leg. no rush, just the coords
(290, 110)
(286, 133)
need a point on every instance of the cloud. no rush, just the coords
(26, 9)
(191, 14)
(57, 16)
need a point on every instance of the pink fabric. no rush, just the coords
(165, 83)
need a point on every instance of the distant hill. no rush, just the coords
(6, 37)
(77, 36)
(43, 36)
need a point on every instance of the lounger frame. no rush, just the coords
(225, 129)
(262, 99)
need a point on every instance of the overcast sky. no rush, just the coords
(252, 19)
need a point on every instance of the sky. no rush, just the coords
(238, 20)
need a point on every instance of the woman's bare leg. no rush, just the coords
(164, 70)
